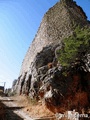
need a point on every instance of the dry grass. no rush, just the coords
(39, 111)
(34, 109)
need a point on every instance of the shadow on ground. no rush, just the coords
(7, 100)
(14, 108)
(8, 113)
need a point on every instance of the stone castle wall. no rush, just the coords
(56, 24)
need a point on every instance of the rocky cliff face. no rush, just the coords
(41, 74)
(57, 23)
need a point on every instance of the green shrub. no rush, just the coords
(74, 46)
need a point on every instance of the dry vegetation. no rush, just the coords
(33, 108)
(39, 110)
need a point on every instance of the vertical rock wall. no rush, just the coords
(56, 24)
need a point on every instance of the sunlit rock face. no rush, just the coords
(58, 23)
(41, 75)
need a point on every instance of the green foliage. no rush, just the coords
(74, 45)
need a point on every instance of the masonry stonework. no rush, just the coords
(57, 23)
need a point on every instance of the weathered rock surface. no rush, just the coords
(41, 75)
(58, 23)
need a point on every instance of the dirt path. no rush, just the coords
(13, 112)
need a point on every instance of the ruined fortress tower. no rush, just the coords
(58, 23)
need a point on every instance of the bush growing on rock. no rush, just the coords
(74, 46)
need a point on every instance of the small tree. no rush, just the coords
(74, 46)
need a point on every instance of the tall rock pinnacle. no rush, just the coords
(41, 75)
(58, 23)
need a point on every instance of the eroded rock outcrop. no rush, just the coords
(41, 75)
(58, 23)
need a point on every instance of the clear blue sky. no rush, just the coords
(19, 22)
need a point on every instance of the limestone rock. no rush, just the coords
(41, 75)
(58, 23)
